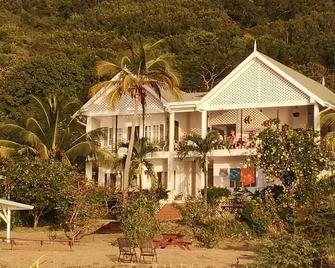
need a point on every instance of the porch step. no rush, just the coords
(169, 213)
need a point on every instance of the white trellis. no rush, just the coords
(6, 206)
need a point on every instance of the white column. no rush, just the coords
(170, 177)
(203, 124)
(8, 226)
(88, 169)
(316, 117)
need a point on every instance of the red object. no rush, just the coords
(173, 240)
(248, 176)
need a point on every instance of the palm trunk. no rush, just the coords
(130, 152)
(205, 170)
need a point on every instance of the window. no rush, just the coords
(155, 132)
(119, 135)
(147, 132)
(95, 174)
(137, 133)
(110, 136)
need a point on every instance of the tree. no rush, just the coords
(139, 163)
(51, 134)
(81, 204)
(200, 148)
(40, 76)
(289, 155)
(134, 76)
(35, 182)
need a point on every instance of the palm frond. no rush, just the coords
(43, 109)
(106, 68)
(99, 86)
(32, 124)
(19, 134)
(7, 152)
(327, 118)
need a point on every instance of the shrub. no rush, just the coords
(206, 224)
(236, 229)
(286, 251)
(214, 194)
(138, 218)
(208, 233)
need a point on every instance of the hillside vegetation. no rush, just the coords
(51, 46)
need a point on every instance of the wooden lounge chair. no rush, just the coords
(147, 249)
(126, 248)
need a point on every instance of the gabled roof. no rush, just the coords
(260, 80)
(324, 93)
(245, 87)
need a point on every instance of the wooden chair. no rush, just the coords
(147, 249)
(126, 248)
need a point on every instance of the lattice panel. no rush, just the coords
(126, 105)
(275, 88)
(257, 84)
(252, 119)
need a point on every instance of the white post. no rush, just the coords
(8, 225)
(316, 117)
(203, 124)
(171, 152)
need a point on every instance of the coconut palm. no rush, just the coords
(137, 73)
(53, 134)
(200, 148)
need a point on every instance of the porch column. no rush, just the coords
(316, 117)
(170, 177)
(88, 166)
(203, 124)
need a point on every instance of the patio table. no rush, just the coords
(173, 239)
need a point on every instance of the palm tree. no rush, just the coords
(200, 148)
(53, 134)
(327, 119)
(139, 161)
(137, 73)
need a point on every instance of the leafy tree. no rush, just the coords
(133, 76)
(138, 218)
(35, 182)
(40, 76)
(289, 155)
(200, 148)
(81, 204)
(54, 134)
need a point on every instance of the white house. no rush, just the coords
(257, 90)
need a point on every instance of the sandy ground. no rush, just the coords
(97, 251)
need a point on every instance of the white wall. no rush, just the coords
(233, 162)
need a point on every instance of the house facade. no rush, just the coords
(240, 106)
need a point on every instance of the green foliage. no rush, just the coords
(237, 229)
(214, 194)
(138, 218)
(287, 251)
(52, 134)
(206, 225)
(34, 182)
(40, 76)
(289, 155)
(81, 203)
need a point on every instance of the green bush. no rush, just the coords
(206, 224)
(259, 225)
(214, 194)
(286, 251)
(236, 229)
(208, 233)
(138, 218)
